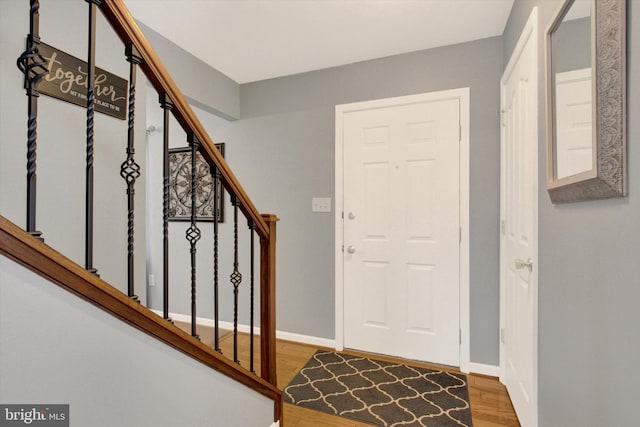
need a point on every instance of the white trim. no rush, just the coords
(183, 317)
(482, 369)
(275, 424)
(283, 335)
(339, 231)
(463, 94)
(306, 339)
(465, 195)
(203, 321)
(529, 32)
(476, 368)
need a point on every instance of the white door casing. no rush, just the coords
(400, 144)
(519, 225)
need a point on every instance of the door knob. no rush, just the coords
(351, 215)
(528, 264)
(351, 250)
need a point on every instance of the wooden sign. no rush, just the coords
(67, 80)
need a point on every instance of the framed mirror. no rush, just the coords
(586, 101)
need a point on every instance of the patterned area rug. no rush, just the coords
(380, 393)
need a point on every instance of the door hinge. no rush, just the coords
(459, 234)
(460, 336)
(460, 132)
(342, 214)
(503, 121)
(342, 248)
(503, 338)
(503, 226)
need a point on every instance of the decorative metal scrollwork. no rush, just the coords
(193, 234)
(33, 66)
(236, 278)
(130, 170)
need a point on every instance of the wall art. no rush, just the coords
(180, 187)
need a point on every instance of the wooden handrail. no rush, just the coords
(125, 26)
(40, 258)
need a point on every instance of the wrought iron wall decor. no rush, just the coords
(180, 187)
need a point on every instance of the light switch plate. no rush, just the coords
(321, 204)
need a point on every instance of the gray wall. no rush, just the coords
(282, 150)
(572, 45)
(288, 129)
(588, 275)
(57, 348)
(61, 145)
(202, 85)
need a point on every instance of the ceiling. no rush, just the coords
(251, 40)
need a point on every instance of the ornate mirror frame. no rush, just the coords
(607, 177)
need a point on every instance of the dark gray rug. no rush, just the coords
(380, 393)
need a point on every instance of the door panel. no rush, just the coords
(401, 232)
(519, 231)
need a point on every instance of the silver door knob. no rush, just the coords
(351, 250)
(528, 264)
(351, 215)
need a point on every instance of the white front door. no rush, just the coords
(402, 229)
(519, 226)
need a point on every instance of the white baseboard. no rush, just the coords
(275, 424)
(475, 368)
(306, 339)
(202, 321)
(283, 335)
(482, 369)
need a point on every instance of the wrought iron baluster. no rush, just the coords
(130, 170)
(166, 105)
(33, 66)
(215, 175)
(236, 277)
(91, 77)
(193, 232)
(252, 228)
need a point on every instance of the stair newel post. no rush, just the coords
(268, 301)
(91, 81)
(252, 229)
(166, 105)
(215, 176)
(130, 170)
(236, 277)
(193, 233)
(33, 66)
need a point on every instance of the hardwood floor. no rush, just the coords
(205, 332)
(490, 403)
